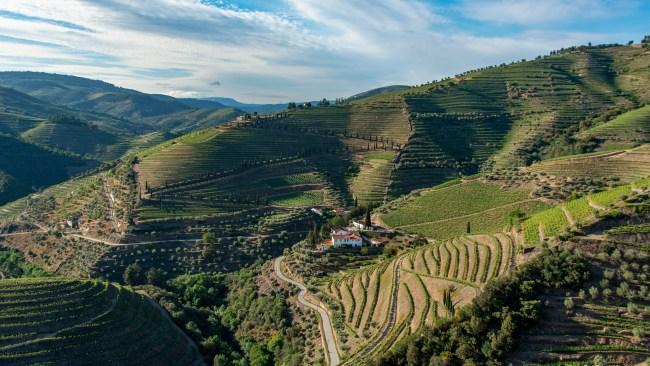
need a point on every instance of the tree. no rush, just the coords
(593, 292)
(469, 227)
(210, 247)
(155, 276)
(368, 222)
(260, 356)
(448, 302)
(220, 360)
(133, 274)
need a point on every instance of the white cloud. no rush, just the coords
(532, 12)
(312, 49)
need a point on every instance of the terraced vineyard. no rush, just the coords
(369, 321)
(72, 322)
(506, 113)
(444, 212)
(558, 220)
(627, 165)
(629, 128)
(370, 185)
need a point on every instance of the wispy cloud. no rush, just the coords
(270, 51)
(533, 12)
(56, 22)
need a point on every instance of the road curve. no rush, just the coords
(328, 330)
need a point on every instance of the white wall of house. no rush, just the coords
(355, 243)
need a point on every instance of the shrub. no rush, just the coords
(569, 305)
(607, 293)
(133, 274)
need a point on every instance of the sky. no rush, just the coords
(268, 51)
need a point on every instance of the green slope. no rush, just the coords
(127, 110)
(77, 137)
(25, 168)
(628, 129)
(72, 322)
(444, 212)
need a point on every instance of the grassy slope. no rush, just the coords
(93, 321)
(582, 211)
(629, 128)
(627, 165)
(443, 213)
(27, 167)
(80, 139)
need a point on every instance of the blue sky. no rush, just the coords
(276, 51)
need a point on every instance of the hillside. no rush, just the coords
(138, 112)
(266, 171)
(582, 302)
(409, 292)
(505, 116)
(246, 107)
(74, 322)
(90, 95)
(471, 179)
(15, 105)
(465, 207)
(18, 176)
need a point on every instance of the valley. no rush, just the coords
(476, 220)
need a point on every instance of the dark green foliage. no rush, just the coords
(219, 312)
(200, 290)
(155, 276)
(448, 302)
(367, 222)
(13, 265)
(133, 275)
(482, 332)
(26, 168)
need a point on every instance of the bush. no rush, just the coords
(133, 275)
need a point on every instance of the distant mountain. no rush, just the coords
(194, 119)
(136, 112)
(17, 105)
(379, 91)
(91, 95)
(201, 103)
(247, 107)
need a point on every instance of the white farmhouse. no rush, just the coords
(343, 238)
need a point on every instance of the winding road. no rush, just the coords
(328, 329)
